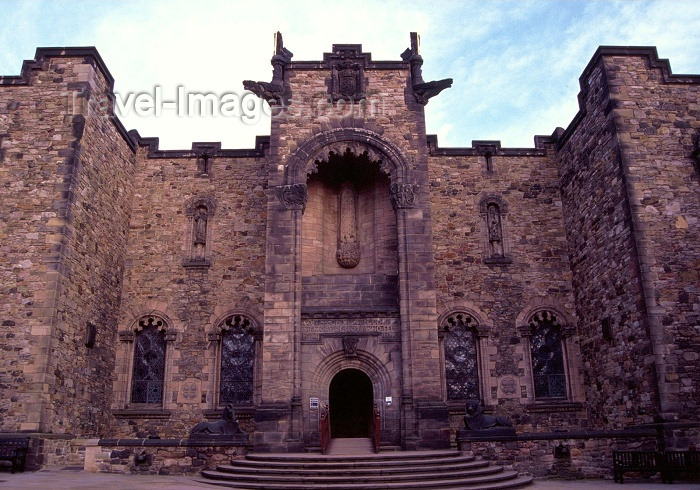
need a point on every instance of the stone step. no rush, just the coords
(382, 448)
(292, 458)
(436, 484)
(488, 473)
(401, 470)
(350, 446)
(339, 463)
(245, 468)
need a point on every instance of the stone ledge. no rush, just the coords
(498, 260)
(142, 413)
(244, 412)
(188, 442)
(309, 312)
(559, 457)
(631, 433)
(196, 264)
(36, 435)
(554, 406)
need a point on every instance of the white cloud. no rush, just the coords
(515, 65)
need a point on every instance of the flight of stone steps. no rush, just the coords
(349, 466)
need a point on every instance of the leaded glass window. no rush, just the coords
(149, 362)
(547, 356)
(237, 360)
(461, 372)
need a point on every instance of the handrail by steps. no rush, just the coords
(376, 428)
(325, 424)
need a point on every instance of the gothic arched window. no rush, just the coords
(237, 361)
(149, 361)
(548, 369)
(461, 357)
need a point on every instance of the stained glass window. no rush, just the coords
(237, 360)
(461, 371)
(149, 362)
(547, 356)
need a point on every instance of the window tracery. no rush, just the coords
(546, 350)
(149, 361)
(236, 380)
(461, 357)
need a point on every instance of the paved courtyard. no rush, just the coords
(68, 478)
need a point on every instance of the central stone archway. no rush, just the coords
(351, 402)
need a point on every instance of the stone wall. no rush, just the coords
(373, 282)
(157, 457)
(657, 118)
(559, 457)
(628, 185)
(500, 295)
(66, 169)
(618, 363)
(192, 297)
(597, 224)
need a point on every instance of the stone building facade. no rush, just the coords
(348, 260)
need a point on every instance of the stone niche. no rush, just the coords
(349, 236)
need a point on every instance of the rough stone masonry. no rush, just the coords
(347, 253)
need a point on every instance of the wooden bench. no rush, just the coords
(670, 464)
(677, 463)
(642, 461)
(14, 450)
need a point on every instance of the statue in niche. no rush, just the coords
(348, 253)
(200, 232)
(203, 165)
(493, 221)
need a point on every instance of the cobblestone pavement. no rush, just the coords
(51, 479)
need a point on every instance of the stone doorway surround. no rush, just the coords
(379, 362)
(419, 414)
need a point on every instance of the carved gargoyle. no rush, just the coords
(277, 92)
(422, 91)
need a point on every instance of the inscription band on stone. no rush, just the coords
(314, 328)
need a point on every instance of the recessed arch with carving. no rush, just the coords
(358, 141)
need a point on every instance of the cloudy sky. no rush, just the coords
(515, 64)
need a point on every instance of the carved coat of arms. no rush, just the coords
(347, 79)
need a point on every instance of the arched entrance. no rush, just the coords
(350, 400)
